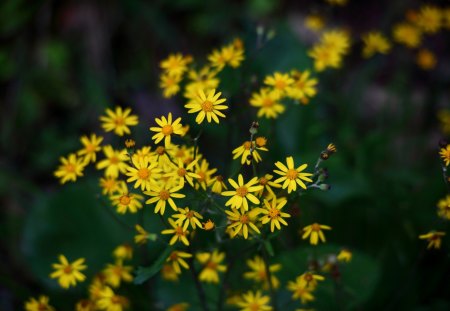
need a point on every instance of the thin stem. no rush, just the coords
(269, 279)
(196, 143)
(114, 216)
(198, 285)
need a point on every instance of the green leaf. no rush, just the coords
(269, 248)
(144, 273)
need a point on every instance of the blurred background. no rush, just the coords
(63, 62)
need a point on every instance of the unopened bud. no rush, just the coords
(254, 128)
(129, 143)
(325, 187)
(152, 236)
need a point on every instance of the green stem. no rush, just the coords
(269, 279)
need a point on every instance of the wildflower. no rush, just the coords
(249, 151)
(116, 273)
(336, 40)
(300, 292)
(314, 22)
(241, 222)
(375, 42)
(123, 251)
(70, 168)
(434, 239)
(114, 162)
(142, 236)
(182, 173)
(429, 19)
(175, 64)
(205, 174)
(144, 172)
(344, 255)
(204, 79)
(272, 213)
(118, 121)
(242, 193)
(211, 266)
(309, 280)
(258, 272)
(177, 260)
(109, 301)
(279, 81)
(254, 301)
(85, 305)
(166, 129)
(168, 273)
(110, 185)
(143, 153)
(444, 206)
(126, 202)
(40, 304)
(324, 57)
(303, 86)
(268, 103)
(331, 148)
(189, 217)
(291, 176)
(170, 84)
(232, 55)
(68, 273)
(217, 184)
(129, 143)
(407, 34)
(91, 147)
(179, 234)
(315, 233)
(426, 59)
(179, 307)
(267, 183)
(208, 106)
(161, 195)
(209, 225)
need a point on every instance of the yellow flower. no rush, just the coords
(85, 305)
(232, 55)
(166, 129)
(142, 236)
(209, 225)
(258, 272)
(429, 19)
(126, 201)
(163, 195)
(314, 22)
(280, 82)
(123, 252)
(109, 301)
(118, 121)
(426, 59)
(309, 280)
(268, 103)
(110, 185)
(248, 151)
(179, 234)
(182, 173)
(211, 266)
(168, 273)
(217, 184)
(242, 222)
(179, 307)
(114, 163)
(336, 40)
(70, 168)
(324, 57)
(144, 172)
(188, 217)
(205, 174)
(177, 260)
(315, 233)
(407, 34)
(175, 64)
(434, 239)
(344, 255)
(303, 87)
(445, 154)
(375, 42)
(291, 176)
(91, 147)
(116, 273)
(68, 273)
(170, 84)
(444, 205)
(300, 292)
(242, 193)
(208, 106)
(273, 214)
(40, 304)
(254, 301)
(204, 79)
(267, 184)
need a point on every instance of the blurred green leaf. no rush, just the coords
(144, 273)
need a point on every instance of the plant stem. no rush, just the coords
(198, 285)
(273, 296)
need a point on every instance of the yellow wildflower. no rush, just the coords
(126, 202)
(254, 301)
(303, 87)
(109, 301)
(162, 195)
(124, 251)
(91, 147)
(144, 172)
(434, 239)
(258, 272)
(182, 173)
(248, 151)
(324, 57)
(267, 183)
(272, 213)
(315, 233)
(85, 305)
(268, 103)
(175, 64)
(300, 292)
(209, 225)
(205, 174)
(279, 82)
(68, 273)
(70, 169)
(407, 34)
(116, 273)
(232, 55)
(242, 193)
(309, 280)
(168, 273)
(189, 217)
(142, 236)
(241, 222)
(429, 19)
(375, 42)
(176, 258)
(166, 129)
(110, 185)
(205, 79)
(314, 22)
(208, 106)
(179, 234)
(211, 266)
(118, 121)
(40, 304)
(114, 163)
(336, 40)
(291, 176)
(170, 84)
(217, 184)
(344, 255)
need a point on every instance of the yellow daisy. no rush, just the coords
(144, 172)
(125, 201)
(109, 301)
(175, 64)
(268, 103)
(291, 176)
(407, 34)
(68, 274)
(179, 234)
(91, 147)
(176, 258)
(170, 84)
(181, 173)
(162, 195)
(434, 239)
(189, 217)
(166, 129)
(114, 163)
(242, 193)
(70, 169)
(258, 273)
(375, 42)
(118, 121)
(254, 301)
(116, 273)
(242, 222)
(279, 82)
(273, 214)
(303, 87)
(315, 233)
(208, 106)
(40, 304)
(211, 266)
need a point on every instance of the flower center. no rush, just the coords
(70, 168)
(242, 191)
(115, 300)
(219, 178)
(292, 174)
(190, 214)
(247, 145)
(211, 265)
(143, 173)
(254, 306)
(274, 213)
(207, 106)
(164, 195)
(125, 199)
(181, 172)
(244, 219)
(173, 256)
(263, 181)
(308, 277)
(179, 231)
(90, 148)
(160, 150)
(280, 84)
(267, 102)
(315, 227)
(167, 129)
(119, 121)
(68, 270)
(202, 176)
(113, 160)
